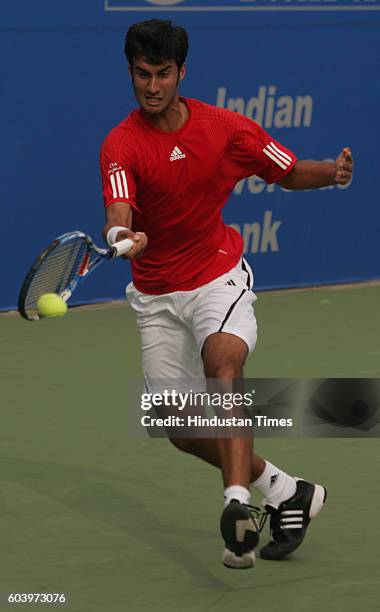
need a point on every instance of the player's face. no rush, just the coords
(155, 87)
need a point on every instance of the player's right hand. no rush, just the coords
(139, 238)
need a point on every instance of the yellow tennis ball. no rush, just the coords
(51, 305)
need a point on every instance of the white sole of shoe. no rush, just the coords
(319, 498)
(317, 501)
(233, 561)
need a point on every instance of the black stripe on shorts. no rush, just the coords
(245, 269)
(230, 311)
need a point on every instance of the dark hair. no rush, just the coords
(156, 40)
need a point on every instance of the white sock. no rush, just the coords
(236, 492)
(275, 485)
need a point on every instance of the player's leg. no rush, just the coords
(223, 357)
(225, 327)
(226, 331)
(286, 509)
(169, 351)
(281, 493)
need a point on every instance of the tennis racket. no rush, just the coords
(61, 267)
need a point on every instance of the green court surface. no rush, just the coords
(124, 524)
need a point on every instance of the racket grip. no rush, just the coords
(123, 246)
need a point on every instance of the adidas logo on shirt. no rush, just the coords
(177, 154)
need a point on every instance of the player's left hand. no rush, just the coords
(141, 242)
(344, 166)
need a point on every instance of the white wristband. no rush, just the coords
(113, 232)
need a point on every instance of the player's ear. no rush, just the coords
(182, 72)
(130, 70)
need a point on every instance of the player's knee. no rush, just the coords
(228, 370)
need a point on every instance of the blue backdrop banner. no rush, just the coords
(306, 70)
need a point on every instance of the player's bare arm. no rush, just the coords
(119, 214)
(308, 174)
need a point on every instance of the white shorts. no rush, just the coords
(174, 326)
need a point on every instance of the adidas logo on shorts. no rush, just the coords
(231, 282)
(177, 154)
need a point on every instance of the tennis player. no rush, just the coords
(168, 169)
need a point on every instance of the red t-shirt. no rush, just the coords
(177, 184)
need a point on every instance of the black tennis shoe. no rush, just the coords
(240, 529)
(288, 523)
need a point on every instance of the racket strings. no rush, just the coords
(56, 271)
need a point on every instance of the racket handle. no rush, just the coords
(123, 246)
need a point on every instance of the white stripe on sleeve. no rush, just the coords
(275, 159)
(125, 184)
(114, 190)
(285, 161)
(281, 152)
(279, 155)
(119, 185)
